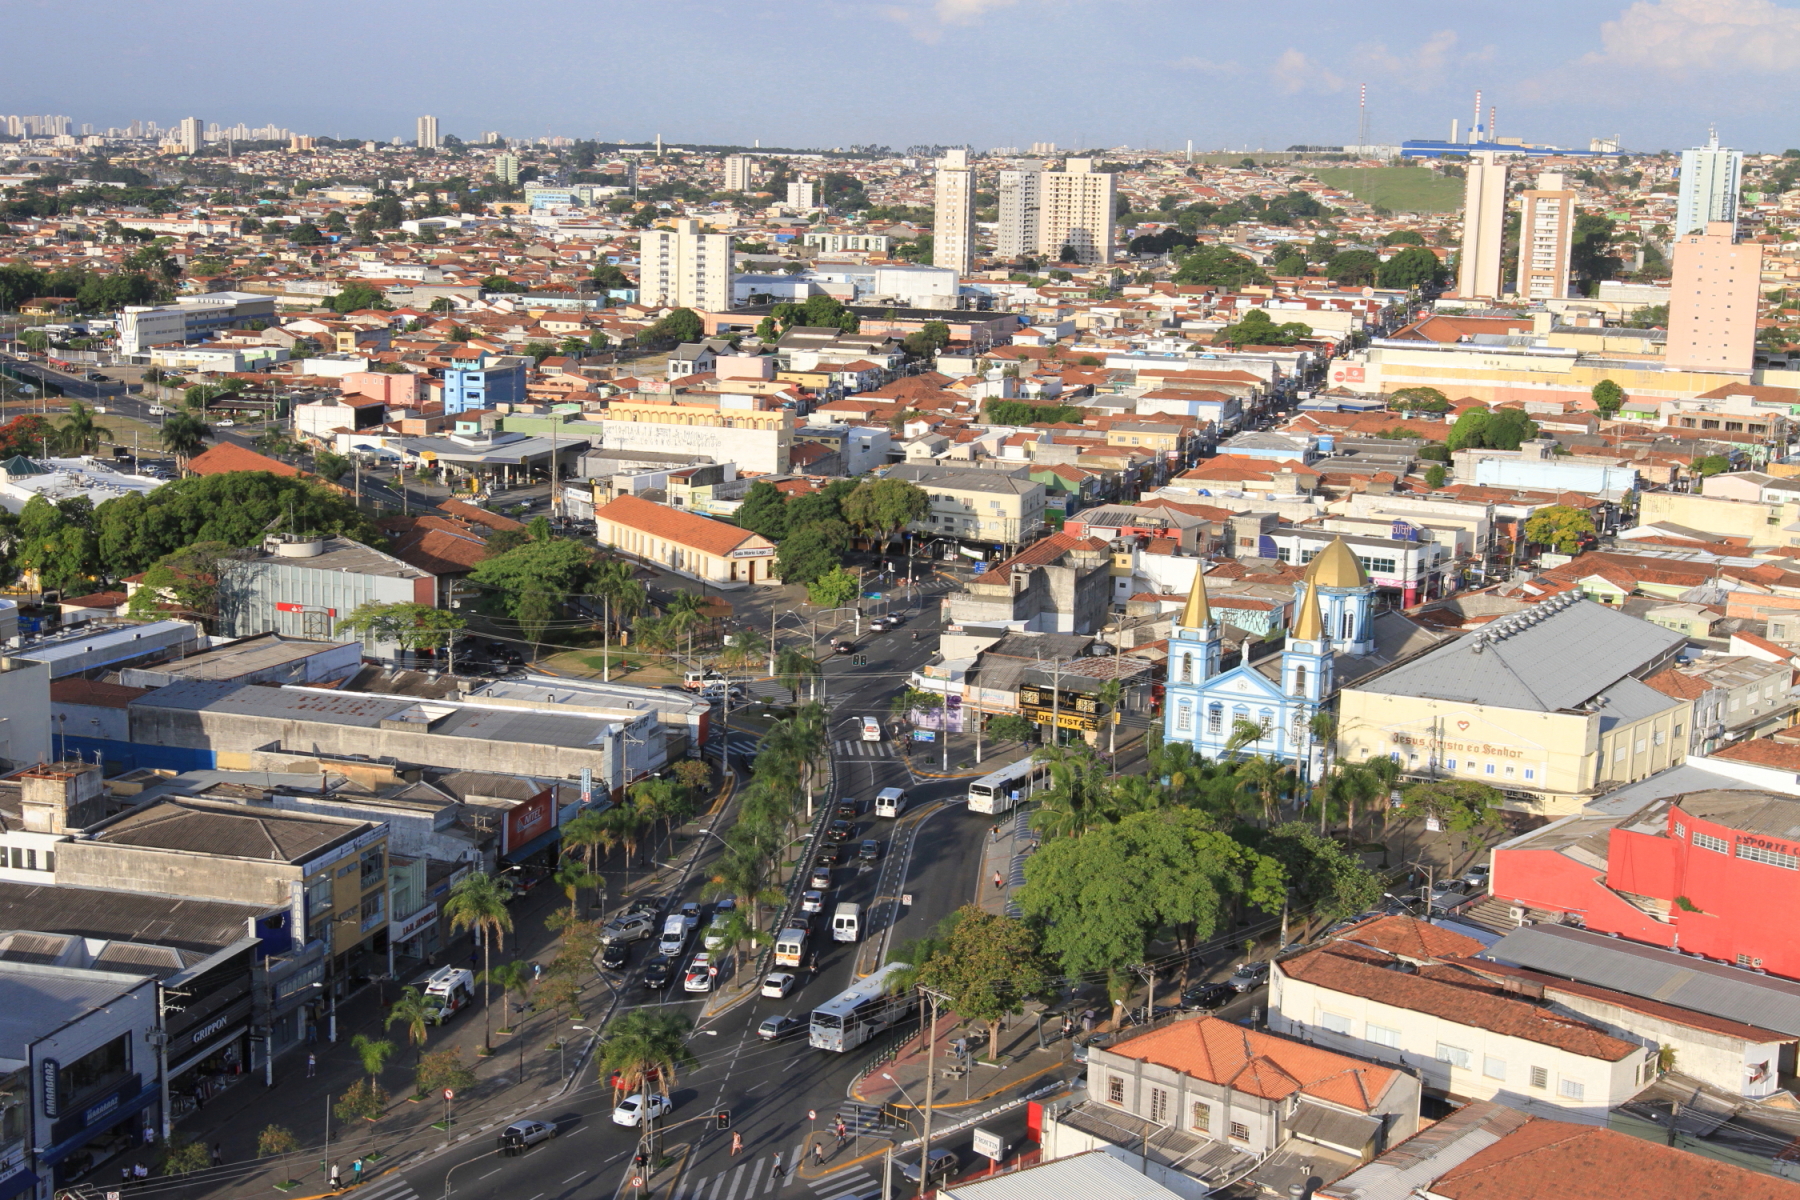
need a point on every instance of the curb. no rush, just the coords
(981, 1099)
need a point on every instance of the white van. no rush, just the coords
(845, 922)
(790, 948)
(890, 802)
(871, 729)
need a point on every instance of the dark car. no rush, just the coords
(616, 955)
(848, 809)
(1208, 996)
(840, 831)
(870, 851)
(831, 855)
(658, 971)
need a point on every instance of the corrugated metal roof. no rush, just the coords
(1095, 1175)
(1542, 660)
(35, 1001)
(1656, 974)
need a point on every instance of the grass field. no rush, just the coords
(1399, 189)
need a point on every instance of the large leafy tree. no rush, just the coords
(1356, 267)
(884, 507)
(1562, 527)
(1102, 896)
(1219, 267)
(1412, 267)
(990, 966)
(1328, 880)
(764, 511)
(408, 625)
(535, 578)
(1256, 329)
(814, 551)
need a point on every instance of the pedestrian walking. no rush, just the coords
(1068, 1027)
(993, 833)
(998, 882)
(777, 1174)
(336, 1181)
(312, 1064)
(218, 1154)
(818, 1154)
(537, 970)
(737, 1143)
(843, 1131)
(356, 1171)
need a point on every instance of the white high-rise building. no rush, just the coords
(1075, 216)
(1021, 197)
(192, 135)
(953, 223)
(1484, 220)
(427, 138)
(1709, 187)
(684, 268)
(800, 195)
(738, 168)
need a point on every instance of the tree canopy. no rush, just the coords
(1562, 527)
(1412, 267)
(1255, 328)
(1219, 267)
(1491, 429)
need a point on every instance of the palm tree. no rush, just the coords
(571, 876)
(1075, 799)
(738, 930)
(586, 835)
(513, 977)
(623, 595)
(475, 903)
(1265, 778)
(745, 871)
(184, 435)
(626, 824)
(793, 668)
(643, 1047)
(412, 1013)
(78, 434)
(748, 649)
(1243, 732)
(374, 1054)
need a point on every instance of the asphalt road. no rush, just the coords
(768, 1088)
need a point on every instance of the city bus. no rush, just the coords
(1001, 790)
(860, 1012)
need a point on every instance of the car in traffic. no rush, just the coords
(848, 809)
(869, 852)
(777, 984)
(715, 930)
(521, 1135)
(1248, 977)
(780, 1028)
(628, 927)
(1208, 996)
(615, 956)
(690, 912)
(871, 729)
(699, 977)
(841, 831)
(812, 900)
(820, 878)
(944, 1165)
(831, 854)
(633, 1109)
(659, 969)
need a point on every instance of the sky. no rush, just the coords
(824, 73)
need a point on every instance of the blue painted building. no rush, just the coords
(491, 381)
(1334, 616)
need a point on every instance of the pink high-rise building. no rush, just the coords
(1712, 301)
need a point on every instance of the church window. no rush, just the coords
(1266, 719)
(1187, 668)
(1300, 679)
(1215, 718)
(1184, 717)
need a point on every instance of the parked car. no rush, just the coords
(778, 984)
(628, 927)
(616, 956)
(776, 1029)
(515, 1138)
(1250, 976)
(633, 1109)
(813, 900)
(1208, 996)
(658, 971)
(944, 1165)
(1447, 895)
(1476, 878)
(870, 851)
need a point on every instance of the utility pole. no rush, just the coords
(930, 1083)
(163, 1009)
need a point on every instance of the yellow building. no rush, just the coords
(1550, 706)
(1762, 522)
(732, 414)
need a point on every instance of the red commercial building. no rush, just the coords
(1714, 873)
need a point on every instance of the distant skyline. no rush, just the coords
(822, 73)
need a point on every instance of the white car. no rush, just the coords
(812, 901)
(631, 1109)
(871, 729)
(778, 985)
(715, 931)
(699, 977)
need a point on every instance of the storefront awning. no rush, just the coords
(100, 1124)
(23, 1180)
(521, 853)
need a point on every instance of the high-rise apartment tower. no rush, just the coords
(1021, 197)
(192, 135)
(428, 133)
(1546, 236)
(953, 222)
(1709, 187)
(1484, 220)
(737, 172)
(684, 268)
(1075, 216)
(1712, 301)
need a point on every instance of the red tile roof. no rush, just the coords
(1411, 938)
(1259, 1064)
(673, 525)
(229, 456)
(476, 515)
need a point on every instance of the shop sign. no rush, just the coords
(211, 1027)
(400, 931)
(100, 1110)
(285, 606)
(754, 552)
(48, 1071)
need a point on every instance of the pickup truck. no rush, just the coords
(629, 927)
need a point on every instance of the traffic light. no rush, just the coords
(859, 660)
(723, 1117)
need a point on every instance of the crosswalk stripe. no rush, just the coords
(737, 1177)
(718, 1183)
(755, 1174)
(395, 1187)
(833, 1186)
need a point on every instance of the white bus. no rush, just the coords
(1001, 790)
(860, 1012)
(790, 948)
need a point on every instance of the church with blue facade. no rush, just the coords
(1333, 617)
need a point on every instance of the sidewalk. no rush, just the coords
(1020, 1063)
(1005, 855)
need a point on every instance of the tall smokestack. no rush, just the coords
(1455, 131)
(1475, 124)
(1493, 129)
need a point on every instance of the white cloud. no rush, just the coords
(1294, 72)
(928, 21)
(1421, 70)
(1682, 37)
